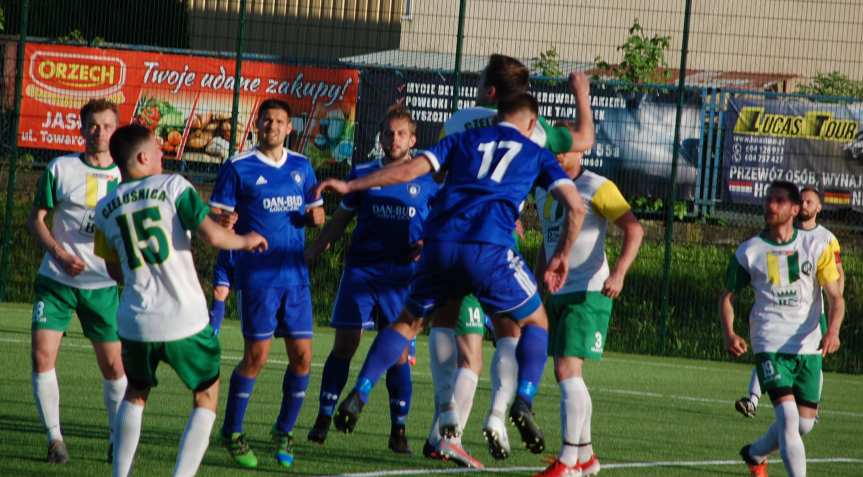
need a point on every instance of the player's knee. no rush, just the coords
(300, 360)
(346, 343)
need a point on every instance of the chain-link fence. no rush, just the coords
(692, 148)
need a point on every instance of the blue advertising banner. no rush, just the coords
(808, 143)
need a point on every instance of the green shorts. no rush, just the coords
(578, 324)
(470, 317)
(196, 360)
(55, 303)
(782, 374)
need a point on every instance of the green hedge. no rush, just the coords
(693, 327)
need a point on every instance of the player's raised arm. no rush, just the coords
(399, 174)
(583, 132)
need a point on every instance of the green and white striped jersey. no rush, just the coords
(145, 225)
(71, 188)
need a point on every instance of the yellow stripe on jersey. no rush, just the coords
(104, 249)
(826, 269)
(609, 202)
(773, 269)
(91, 197)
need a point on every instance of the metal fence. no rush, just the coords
(688, 149)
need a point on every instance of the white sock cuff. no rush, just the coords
(572, 386)
(45, 376)
(203, 413)
(442, 330)
(132, 407)
(116, 382)
(467, 373)
(507, 342)
(806, 425)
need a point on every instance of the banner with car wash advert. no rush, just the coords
(808, 143)
(185, 100)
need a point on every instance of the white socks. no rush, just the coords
(46, 391)
(574, 412)
(504, 376)
(127, 431)
(790, 442)
(443, 354)
(754, 388)
(464, 390)
(112, 394)
(194, 443)
(585, 449)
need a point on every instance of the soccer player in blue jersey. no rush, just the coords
(270, 188)
(468, 242)
(379, 265)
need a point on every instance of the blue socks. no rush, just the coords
(401, 389)
(217, 314)
(531, 354)
(333, 380)
(293, 393)
(239, 393)
(385, 352)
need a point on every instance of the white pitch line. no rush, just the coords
(622, 465)
(623, 392)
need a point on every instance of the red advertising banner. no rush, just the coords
(186, 100)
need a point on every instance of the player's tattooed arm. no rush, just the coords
(836, 314)
(72, 264)
(331, 232)
(734, 344)
(219, 237)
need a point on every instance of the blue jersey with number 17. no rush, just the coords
(489, 171)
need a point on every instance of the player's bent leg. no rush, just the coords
(443, 355)
(385, 351)
(504, 375)
(333, 380)
(454, 415)
(531, 356)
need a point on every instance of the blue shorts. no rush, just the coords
(285, 312)
(495, 274)
(370, 292)
(223, 271)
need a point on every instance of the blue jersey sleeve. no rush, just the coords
(227, 188)
(551, 175)
(438, 154)
(351, 201)
(308, 188)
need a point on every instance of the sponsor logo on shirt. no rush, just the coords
(393, 212)
(288, 203)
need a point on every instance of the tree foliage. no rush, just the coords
(833, 84)
(547, 63)
(643, 58)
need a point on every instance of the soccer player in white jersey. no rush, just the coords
(810, 207)
(579, 313)
(143, 231)
(788, 269)
(458, 326)
(71, 278)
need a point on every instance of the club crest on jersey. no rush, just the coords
(414, 190)
(297, 176)
(806, 268)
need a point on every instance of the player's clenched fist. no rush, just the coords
(579, 83)
(255, 242)
(735, 345)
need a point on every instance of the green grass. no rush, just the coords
(646, 409)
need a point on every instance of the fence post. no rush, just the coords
(238, 67)
(672, 192)
(13, 158)
(459, 43)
